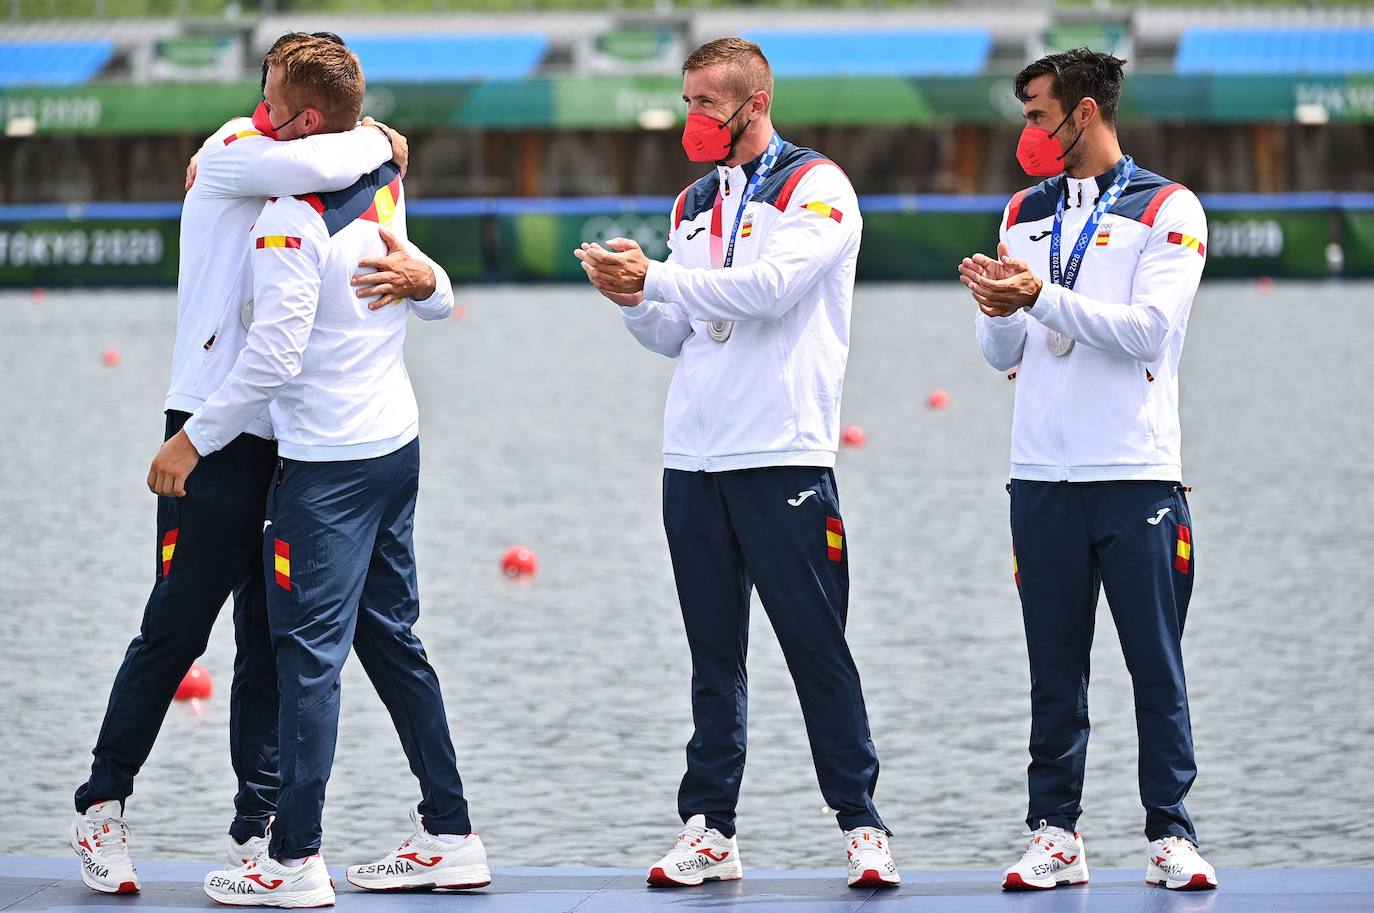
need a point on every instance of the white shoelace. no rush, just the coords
(1175, 842)
(867, 840)
(691, 835)
(103, 833)
(1042, 839)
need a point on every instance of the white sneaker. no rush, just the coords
(1053, 857)
(1176, 864)
(101, 838)
(424, 862)
(250, 849)
(700, 854)
(264, 882)
(870, 859)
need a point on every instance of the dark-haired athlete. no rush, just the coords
(1090, 295)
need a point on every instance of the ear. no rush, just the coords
(1086, 110)
(312, 121)
(759, 103)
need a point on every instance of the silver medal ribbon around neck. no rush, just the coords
(1059, 344)
(720, 330)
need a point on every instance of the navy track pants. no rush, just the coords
(340, 559)
(1133, 539)
(778, 529)
(209, 545)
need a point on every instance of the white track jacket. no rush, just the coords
(333, 370)
(1108, 410)
(238, 169)
(770, 394)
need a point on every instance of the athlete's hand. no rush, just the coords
(620, 270)
(172, 465)
(633, 299)
(1003, 286)
(191, 170)
(398, 275)
(400, 149)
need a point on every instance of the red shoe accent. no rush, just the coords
(659, 879)
(1198, 882)
(871, 879)
(465, 887)
(127, 887)
(1014, 882)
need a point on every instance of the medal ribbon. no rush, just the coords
(1069, 275)
(766, 163)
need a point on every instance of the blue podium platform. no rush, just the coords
(53, 885)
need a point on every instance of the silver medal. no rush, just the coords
(720, 330)
(246, 314)
(1059, 343)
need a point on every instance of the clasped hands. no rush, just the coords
(1002, 286)
(617, 273)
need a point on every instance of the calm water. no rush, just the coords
(569, 694)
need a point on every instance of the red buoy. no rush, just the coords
(853, 435)
(110, 357)
(1264, 285)
(519, 562)
(461, 312)
(938, 399)
(37, 294)
(196, 685)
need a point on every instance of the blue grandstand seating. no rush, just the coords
(53, 63)
(895, 52)
(1273, 50)
(436, 58)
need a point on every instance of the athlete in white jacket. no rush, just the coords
(754, 302)
(1090, 295)
(208, 544)
(337, 540)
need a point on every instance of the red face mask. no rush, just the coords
(706, 139)
(262, 121)
(1039, 153)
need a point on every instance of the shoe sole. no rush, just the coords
(872, 878)
(459, 878)
(1198, 882)
(304, 901)
(658, 878)
(124, 887)
(1014, 882)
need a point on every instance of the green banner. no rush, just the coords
(917, 245)
(655, 101)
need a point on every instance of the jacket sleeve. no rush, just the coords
(439, 304)
(1166, 278)
(255, 166)
(1002, 339)
(289, 251)
(660, 326)
(820, 227)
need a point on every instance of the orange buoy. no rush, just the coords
(110, 357)
(853, 435)
(196, 685)
(938, 399)
(519, 562)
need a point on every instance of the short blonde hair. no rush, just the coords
(322, 74)
(746, 69)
